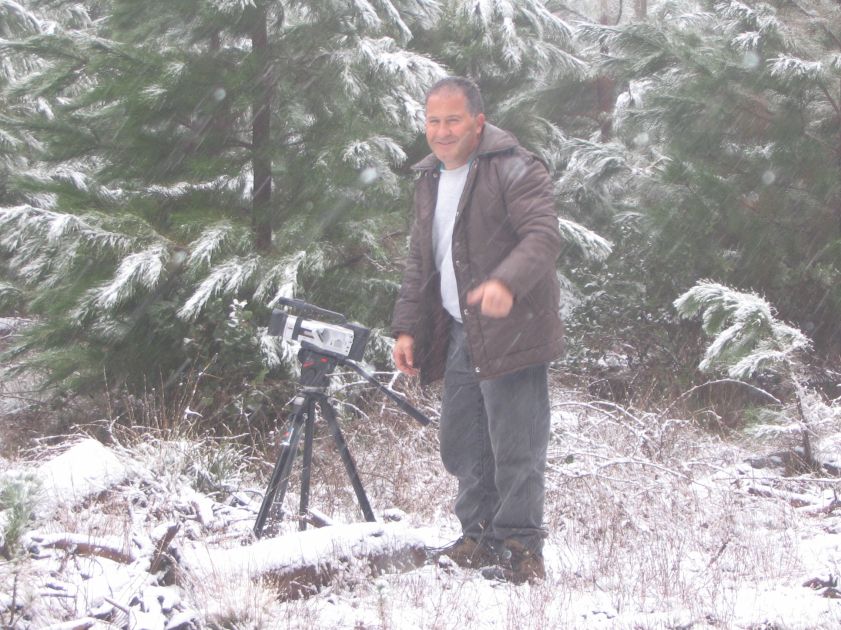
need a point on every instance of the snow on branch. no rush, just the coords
(762, 17)
(212, 241)
(15, 16)
(593, 162)
(273, 350)
(750, 40)
(486, 12)
(747, 337)
(139, 270)
(280, 280)
(525, 33)
(226, 279)
(361, 153)
(592, 245)
(9, 142)
(232, 7)
(544, 22)
(366, 14)
(789, 68)
(393, 15)
(29, 232)
(382, 55)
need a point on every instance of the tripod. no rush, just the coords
(316, 368)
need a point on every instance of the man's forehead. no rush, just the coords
(448, 93)
(454, 99)
(448, 90)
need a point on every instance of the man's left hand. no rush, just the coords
(494, 298)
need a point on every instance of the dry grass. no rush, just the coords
(652, 523)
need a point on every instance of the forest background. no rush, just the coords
(169, 169)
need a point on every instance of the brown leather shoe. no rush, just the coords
(467, 553)
(517, 564)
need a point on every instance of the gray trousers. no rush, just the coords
(494, 434)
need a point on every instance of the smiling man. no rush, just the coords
(478, 306)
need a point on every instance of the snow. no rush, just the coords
(83, 471)
(688, 536)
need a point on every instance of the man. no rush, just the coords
(479, 306)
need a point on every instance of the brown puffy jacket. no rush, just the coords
(506, 228)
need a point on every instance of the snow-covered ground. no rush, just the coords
(652, 524)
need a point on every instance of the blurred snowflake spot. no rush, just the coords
(179, 257)
(750, 60)
(219, 94)
(641, 139)
(368, 176)
(768, 177)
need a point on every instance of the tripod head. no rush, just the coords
(327, 344)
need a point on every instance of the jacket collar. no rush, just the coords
(494, 140)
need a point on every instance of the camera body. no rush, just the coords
(343, 340)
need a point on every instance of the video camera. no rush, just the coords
(343, 340)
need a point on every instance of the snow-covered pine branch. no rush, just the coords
(382, 56)
(591, 164)
(525, 34)
(28, 232)
(274, 350)
(747, 337)
(593, 246)
(138, 271)
(14, 17)
(760, 18)
(790, 68)
(224, 279)
(216, 240)
(232, 7)
(375, 158)
(10, 296)
(279, 280)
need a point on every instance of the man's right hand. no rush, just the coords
(404, 354)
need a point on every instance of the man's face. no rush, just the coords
(452, 132)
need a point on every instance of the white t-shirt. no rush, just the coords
(450, 187)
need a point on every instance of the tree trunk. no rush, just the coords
(605, 92)
(641, 9)
(261, 162)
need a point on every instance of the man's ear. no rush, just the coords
(481, 120)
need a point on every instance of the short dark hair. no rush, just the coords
(464, 85)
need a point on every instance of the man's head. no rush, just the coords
(454, 120)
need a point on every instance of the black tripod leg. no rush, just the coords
(330, 415)
(280, 475)
(307, 466)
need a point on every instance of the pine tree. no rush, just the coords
(726, 148)
(750, 342)
(202, 151)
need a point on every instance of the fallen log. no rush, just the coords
(793, 499)
(300, 564)
(110, 547)
(77, 624)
